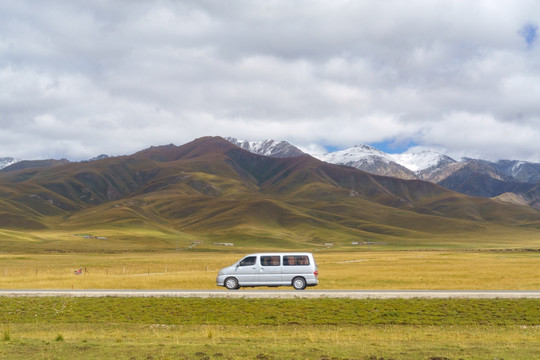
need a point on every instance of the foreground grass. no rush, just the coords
(165, 328)
(248, 312)
(497, 270)
(121, 341)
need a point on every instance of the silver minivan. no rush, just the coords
(271, 269)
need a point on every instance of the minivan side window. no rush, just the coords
(295, 260)
(250, 260)
(270, 260)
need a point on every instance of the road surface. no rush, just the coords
(282, 294)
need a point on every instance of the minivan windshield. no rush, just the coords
(250, 260)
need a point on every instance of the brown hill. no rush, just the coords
(211, 189)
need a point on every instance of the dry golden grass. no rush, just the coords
(281, 342)
(352, 270)
(431, 270)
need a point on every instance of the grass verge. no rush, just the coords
(164, 328)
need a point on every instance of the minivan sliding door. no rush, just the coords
(270, 270)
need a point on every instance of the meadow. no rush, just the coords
(437, 270)
(165, 328)
(170, 328)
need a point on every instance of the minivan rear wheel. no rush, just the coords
(231, 283)
(299, 283)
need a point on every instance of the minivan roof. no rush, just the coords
(280, 253)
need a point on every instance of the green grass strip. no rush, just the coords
(271, 311)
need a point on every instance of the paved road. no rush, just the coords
(282, 294)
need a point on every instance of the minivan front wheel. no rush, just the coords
(299, 283)
(232, 284)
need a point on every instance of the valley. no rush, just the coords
(160, 219)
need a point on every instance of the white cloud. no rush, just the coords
(482, 136)
(80, 79)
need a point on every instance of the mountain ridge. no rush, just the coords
(475, 177)
(212, 189)
(268, 147)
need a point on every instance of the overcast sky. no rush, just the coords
(82, 78)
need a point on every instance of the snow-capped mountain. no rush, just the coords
(272, 148)
(7, 161)
(425, 165)
(408, 165)
(428, 165)
(507, 180)
(354, 154)
(369, 159)
(422, 161)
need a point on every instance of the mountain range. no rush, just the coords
(508, 180)
(212, 190)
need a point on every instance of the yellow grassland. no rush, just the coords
(456, 269)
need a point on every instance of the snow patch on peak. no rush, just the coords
(7, 161)
(368, 149)
(517, 167)
(267, 147)
(355, 154)
(418, 161)
(415, 160)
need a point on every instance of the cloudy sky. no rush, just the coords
(81, 78)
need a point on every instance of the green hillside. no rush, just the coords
(210, 191)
